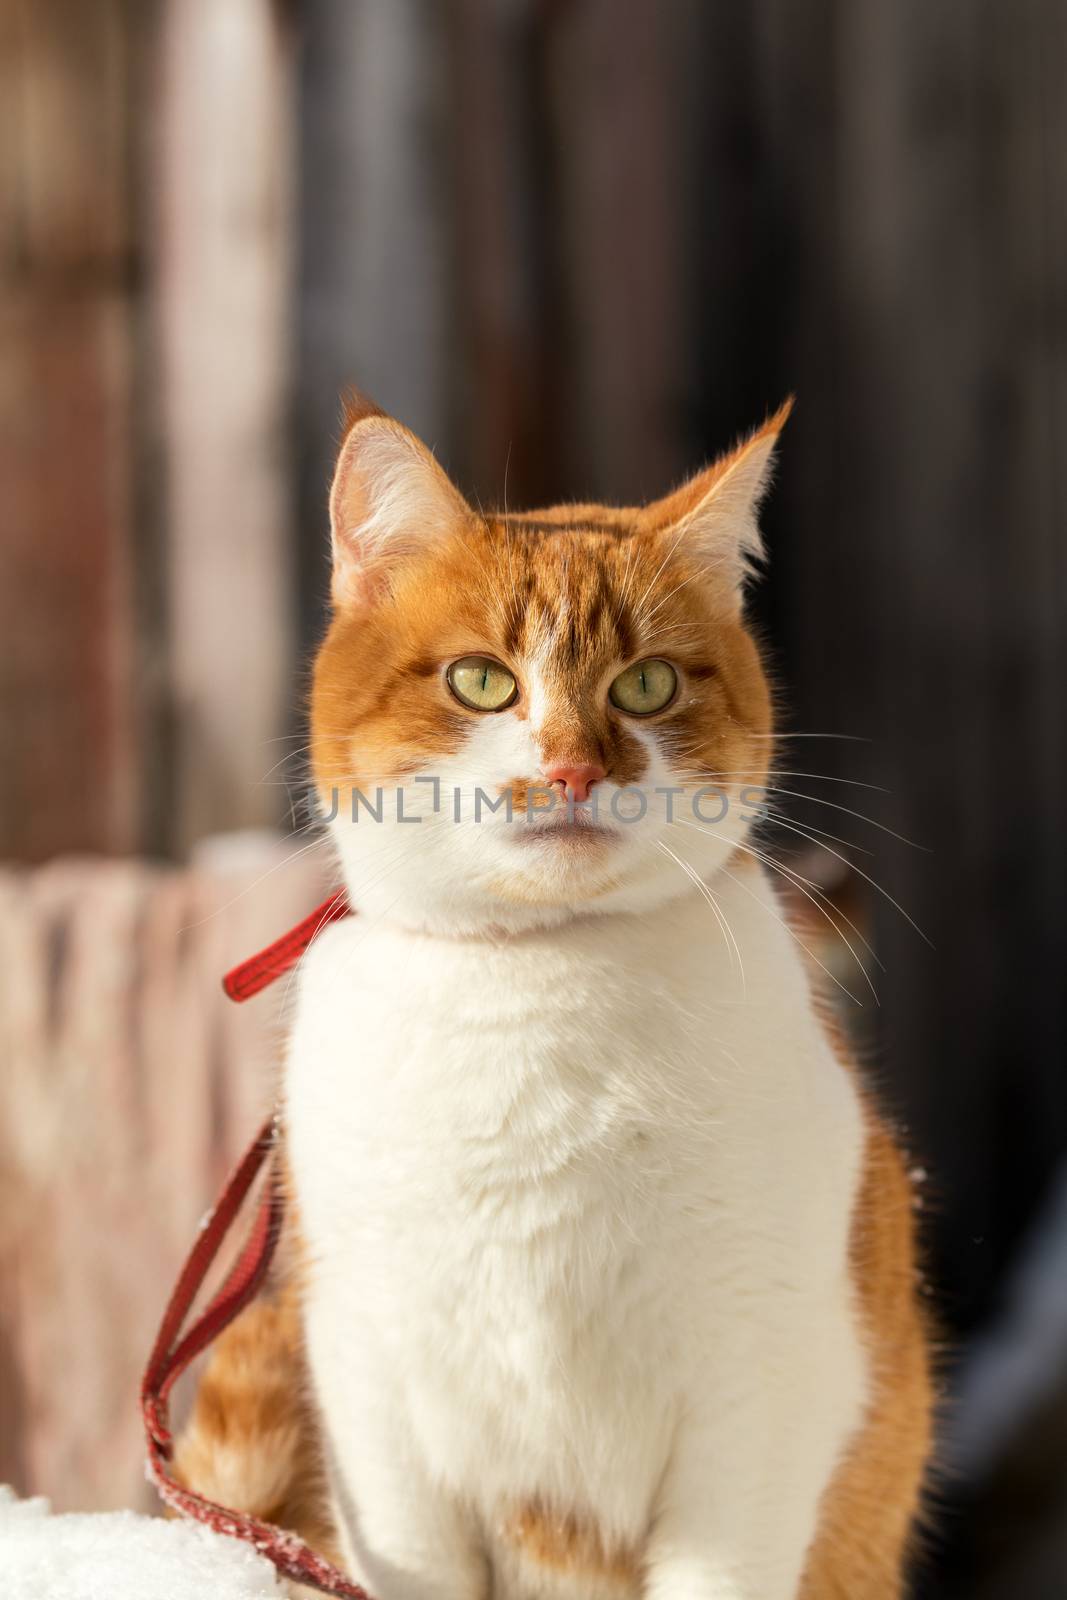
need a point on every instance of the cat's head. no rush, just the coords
(585, 670)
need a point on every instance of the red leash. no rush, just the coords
(175, 1349)
(259, 971)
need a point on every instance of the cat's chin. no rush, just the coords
(512, 904)
(505, 882)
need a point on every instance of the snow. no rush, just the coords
(118, 1555)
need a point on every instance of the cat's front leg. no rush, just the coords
(737, 1509)
(404, 1536)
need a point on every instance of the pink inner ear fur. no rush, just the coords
(388, 494)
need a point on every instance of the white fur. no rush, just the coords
(577, 1204)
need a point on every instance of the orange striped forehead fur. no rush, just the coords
(565, 598)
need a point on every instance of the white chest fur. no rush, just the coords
(576, 1209)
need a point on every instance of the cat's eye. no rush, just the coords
(481, 683)
(645, 687)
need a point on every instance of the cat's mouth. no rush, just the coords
(577, 831)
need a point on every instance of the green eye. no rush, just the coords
(482, 684)
(645, 687)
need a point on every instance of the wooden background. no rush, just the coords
(580, 245)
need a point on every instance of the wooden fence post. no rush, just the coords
(224, 215)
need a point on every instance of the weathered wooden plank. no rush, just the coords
(617, 157)
(12, 136)
(67, 682)
(67, 774)
(376, 286)
(223, 272)
(952, 484)
(74, 97)
(507, 267)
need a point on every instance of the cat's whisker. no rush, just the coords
(313, 819)
(301, 753)
(684, 525)
(507, 525)
(671, 633)
(776, 816)
(302, 803)
(823, 904)
(277, 867)
(793, 828)
(794, 935)
(807, 888)
(792, 931)
(670, 595)
(817, 800)
(627, 576)
(710, 779)
(854, 738)
(792, 772)
(728, 933)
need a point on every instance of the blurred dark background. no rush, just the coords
(580, 245)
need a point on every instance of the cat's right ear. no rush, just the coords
(389, 496)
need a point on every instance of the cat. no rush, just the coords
(603, 1283)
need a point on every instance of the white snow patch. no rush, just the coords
(118, 1555)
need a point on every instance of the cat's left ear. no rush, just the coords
(389, 498)
(713, 517)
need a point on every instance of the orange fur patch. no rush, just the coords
(569, 1545)
(252, 1442)
(869, 1512)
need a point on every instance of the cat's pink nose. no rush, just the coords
(575, 782)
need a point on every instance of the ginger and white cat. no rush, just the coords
(604, 1283)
